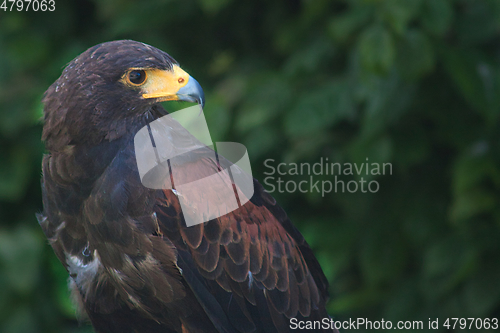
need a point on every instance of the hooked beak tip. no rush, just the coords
(192, 92)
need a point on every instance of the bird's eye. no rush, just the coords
(137, 76)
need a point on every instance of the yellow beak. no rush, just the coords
(172, 85)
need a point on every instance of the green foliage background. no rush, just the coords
(415, 83)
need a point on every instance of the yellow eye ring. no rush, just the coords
(136, 77)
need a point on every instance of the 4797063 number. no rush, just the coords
(27, 5)
(471, 323)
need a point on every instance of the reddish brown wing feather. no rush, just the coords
(251, 252)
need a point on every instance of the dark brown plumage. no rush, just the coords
(134, 265)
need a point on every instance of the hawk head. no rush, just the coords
(103, 92)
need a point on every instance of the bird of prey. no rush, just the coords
(134, 265)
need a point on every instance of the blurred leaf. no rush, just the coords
(261, 141)
(382, 256)
(14, 173)
(14, 22)
(318, 109)
(415, 56)
(374, 150)
(411, 145)
(469, 171)
(27, 51)
(443, 271)
(376, 46)
(266, 100)
(386, 100)
(341, 28)
(222, 63)
(404, 300)
(22, 321)
(20, 255)
(231, 89)
(5, 295)
(437, 16)
(481, 292)
(213, 6)
(479, 21)
(354, 300)
(306, 146)
(477, 81)
(472, 202)
(400, 12)
(310, 58)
